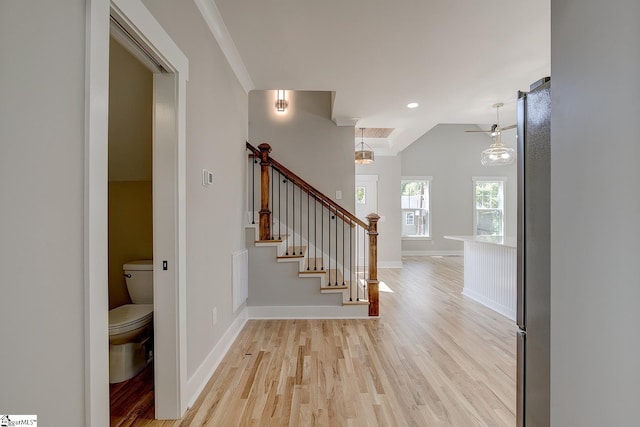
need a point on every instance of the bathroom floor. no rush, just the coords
(132, 400)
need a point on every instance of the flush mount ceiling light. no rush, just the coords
(281, 102)
(413, 105)
(497, 154)
(364, 153)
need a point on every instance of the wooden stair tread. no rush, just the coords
(269, 241)
(294, 252)
(354, 302)
(313, 266)
(334, 276)
(275, 239)
(334, 287)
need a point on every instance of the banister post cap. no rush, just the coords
(264, 147)
(373, 217)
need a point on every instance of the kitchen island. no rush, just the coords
(490, 271)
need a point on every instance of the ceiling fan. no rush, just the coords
(495, 128)
(497, 154)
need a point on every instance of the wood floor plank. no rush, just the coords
(433, 358)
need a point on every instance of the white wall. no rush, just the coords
(41, 215)
(305, 140)
(216, 135)
(452, 157)
(388, 170)
(595, 205)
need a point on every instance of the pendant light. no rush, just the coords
(498, 154)
(364, 153)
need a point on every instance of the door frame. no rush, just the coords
(169, 223)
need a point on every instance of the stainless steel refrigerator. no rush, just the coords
(533, 303)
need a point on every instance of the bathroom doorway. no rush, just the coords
(169, 206)
(130, 222)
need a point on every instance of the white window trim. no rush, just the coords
(364, 199)
(406, 218)
(475, 180)
(419, 178)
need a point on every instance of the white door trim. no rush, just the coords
(170, 310)
(96, 295)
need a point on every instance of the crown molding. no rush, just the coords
(212, 17)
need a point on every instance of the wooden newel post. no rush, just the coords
(372, 283)
(265, 213)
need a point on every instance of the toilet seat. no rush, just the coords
(129, 317)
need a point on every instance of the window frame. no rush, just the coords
(503, 181)
(406, 218)
(364, 195)
(429, 181)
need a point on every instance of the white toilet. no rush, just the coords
(131, 325)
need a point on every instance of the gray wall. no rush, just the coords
(42, 124)
(216, 134)
(278, 284)
(41, 219)
(595, 201)
(452, 157)
(388, 170)
(305, 140)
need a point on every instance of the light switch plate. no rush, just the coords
(207, 177)
(339, 195)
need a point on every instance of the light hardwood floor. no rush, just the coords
(433, 358)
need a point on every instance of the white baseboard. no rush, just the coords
(201, 376)
(432, 253)
(505, 311)
(389, 264)
(310, 312)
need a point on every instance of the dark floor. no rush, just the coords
(133, 399)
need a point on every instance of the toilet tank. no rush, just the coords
(139, 277)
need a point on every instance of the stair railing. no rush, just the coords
(351, 257)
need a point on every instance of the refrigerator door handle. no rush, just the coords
(521, 337)
(520, 292)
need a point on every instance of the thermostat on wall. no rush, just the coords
(207, 177)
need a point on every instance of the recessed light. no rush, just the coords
(412, 105)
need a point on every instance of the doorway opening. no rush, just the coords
(140, 34)
(168, 206)
(130, 233)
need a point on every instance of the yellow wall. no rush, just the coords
(130, 232)
(130, 204)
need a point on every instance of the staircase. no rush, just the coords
(327, 246)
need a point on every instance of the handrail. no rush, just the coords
(326, 201)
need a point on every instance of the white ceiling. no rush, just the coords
(456, 58)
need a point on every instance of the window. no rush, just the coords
(488, 206)
(415, 207)
(361, 194)
(408, 218)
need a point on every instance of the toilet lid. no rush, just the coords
(129, 314)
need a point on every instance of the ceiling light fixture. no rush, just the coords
(364, 153)
(281, 102)
(497, 154)
(413, 105)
